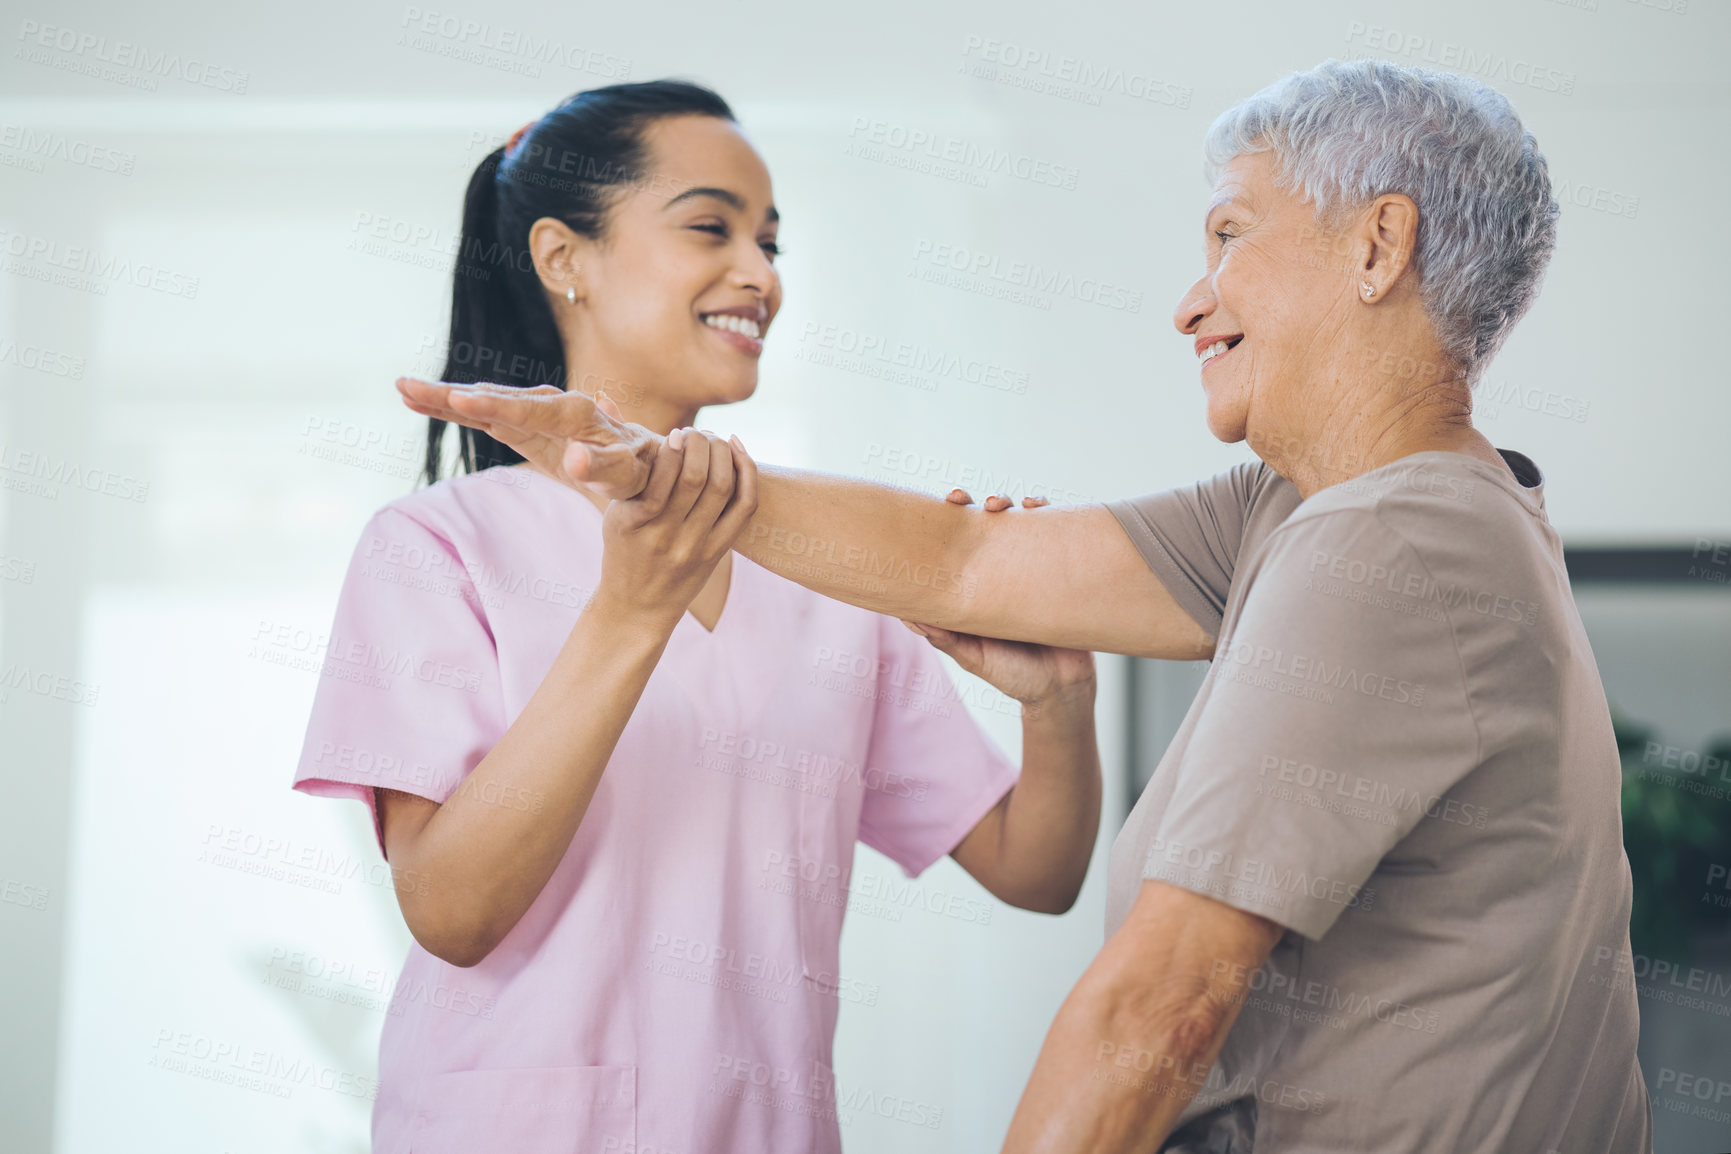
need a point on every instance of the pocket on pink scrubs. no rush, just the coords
(529, 1110)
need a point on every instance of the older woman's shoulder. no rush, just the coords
(1448, 489)
(1441, 528)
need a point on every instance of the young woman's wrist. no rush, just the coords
(614, 610)
(1062, 703)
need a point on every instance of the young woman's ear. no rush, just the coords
(557, 252)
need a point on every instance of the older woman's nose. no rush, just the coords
(1196, 304)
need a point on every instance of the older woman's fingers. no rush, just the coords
(959, 497)
(440, 392)
(615, 457)
(618, 471)
(437, 399)
(1034, 502)
(543, 410)
(427, 402)
(997, 504)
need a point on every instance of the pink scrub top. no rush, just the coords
(674, 988)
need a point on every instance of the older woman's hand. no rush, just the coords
(567, 435)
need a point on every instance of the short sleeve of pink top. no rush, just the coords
(674, 987)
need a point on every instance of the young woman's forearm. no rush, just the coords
(491, 846)
(884, 549)
(1052, 815)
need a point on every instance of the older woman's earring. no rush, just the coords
(1369, 289)
(571, 293)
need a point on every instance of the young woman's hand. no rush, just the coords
(1035, 675)
(569, 436)
(661, 546)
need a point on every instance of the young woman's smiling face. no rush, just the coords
(675, 297)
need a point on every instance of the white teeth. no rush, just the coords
(744, 326)
(1213, 351)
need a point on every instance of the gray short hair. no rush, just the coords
(1345, 133)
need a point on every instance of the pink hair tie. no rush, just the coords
(511, 144)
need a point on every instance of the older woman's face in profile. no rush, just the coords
(1274, 292)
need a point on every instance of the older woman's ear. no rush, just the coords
(1390, 233)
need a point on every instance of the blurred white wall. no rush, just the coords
(259, 162)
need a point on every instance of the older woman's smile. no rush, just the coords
(1211, 348)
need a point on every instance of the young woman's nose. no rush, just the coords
(754, 271)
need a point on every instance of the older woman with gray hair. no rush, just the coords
(1374, 897)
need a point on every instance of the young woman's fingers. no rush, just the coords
(1034, 502)
(663, 475)
(994, 503)
(693, 476)
(737, 515)
(940, 637)
(718, 490)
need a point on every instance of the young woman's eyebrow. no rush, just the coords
(727, 197)
(732, 199)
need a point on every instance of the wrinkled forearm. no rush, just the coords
(1134, 1041)
(884, 549)
(1081, 1099)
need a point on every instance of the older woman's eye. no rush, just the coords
(1223, 236)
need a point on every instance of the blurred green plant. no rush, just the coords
(1676, 827)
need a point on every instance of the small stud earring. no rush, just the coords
(1369, 289)
(571, 293)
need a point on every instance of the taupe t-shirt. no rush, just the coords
(1401, 753)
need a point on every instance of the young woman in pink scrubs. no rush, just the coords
(618, 771)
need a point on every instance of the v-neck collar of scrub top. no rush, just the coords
(688, 622)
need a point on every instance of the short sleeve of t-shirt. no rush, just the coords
(1329, 724)
(1192, 536)
(932, 773)
(408, 697)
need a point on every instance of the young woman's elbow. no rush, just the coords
(1054, 904)
(465, 957)
(1046, 900)
(458, 945)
